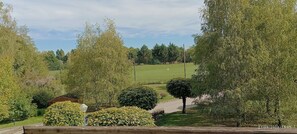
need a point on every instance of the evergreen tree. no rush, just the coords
(173, 53)
(144, 55)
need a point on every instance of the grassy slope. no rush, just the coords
(162, 73)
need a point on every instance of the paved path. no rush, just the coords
(174, 105)
(15, 130)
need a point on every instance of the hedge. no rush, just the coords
(141, 96)
(64, 114)
(124, 116)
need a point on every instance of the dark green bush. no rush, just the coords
(64, 114)
(40, 112)
(41, 98)
(142, 97)
(124, 116)
(179, 87)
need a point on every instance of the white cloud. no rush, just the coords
(132, 17)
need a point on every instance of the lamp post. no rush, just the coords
(84, 108)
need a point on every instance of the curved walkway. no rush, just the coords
(174, 105)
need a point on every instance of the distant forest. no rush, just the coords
(159, 54)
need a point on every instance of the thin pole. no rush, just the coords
(134, 71)
(185, 71)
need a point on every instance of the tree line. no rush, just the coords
(160, 54)
(55, 60)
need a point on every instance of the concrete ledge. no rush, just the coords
(155, 130)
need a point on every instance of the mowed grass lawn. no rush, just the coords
(147, 74)
(162, 73)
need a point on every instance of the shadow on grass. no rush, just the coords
(193, 118)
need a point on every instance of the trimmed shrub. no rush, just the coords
(142, 97)
(124, 116)
(64, 114)
(180, 88)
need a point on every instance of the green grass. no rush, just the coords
(55, 72)
(147, 74)
(161, 89)
(150, 74)
(162, 73)
(29, 121)
(193, 118)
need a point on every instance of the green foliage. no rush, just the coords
(64, 114)
(144, 55)
(141, 96)
(132, 54)
(40, 112)
(248, 51)
(21, 107)
(21, 69)
(60, 54)
(52, 60)
(160, 52)
(173, 52)
(8, 86)
(99, 68)
(124, 116)
(41, 98)
(179, 87)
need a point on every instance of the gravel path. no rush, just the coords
(174, 105)
(15, 130)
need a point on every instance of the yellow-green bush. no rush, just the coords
(124, 116)
(64, 114)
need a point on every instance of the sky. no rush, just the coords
(55, 24)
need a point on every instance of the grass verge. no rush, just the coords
(29, 121)
(161, 91)
(193, 118)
